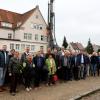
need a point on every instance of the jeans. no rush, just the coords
(81, 71)
(93, 69)
(1, 77)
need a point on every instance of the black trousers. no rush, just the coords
(65, 73)
(59, 73)
(38, 76)
(98, 69)
(76, 71)
(27, 81)
(13, 81)
(50, 80)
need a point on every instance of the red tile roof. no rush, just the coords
(77, 46)
(74, 45)
(14, 18)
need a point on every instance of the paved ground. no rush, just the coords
(95, 96)
(62, 91)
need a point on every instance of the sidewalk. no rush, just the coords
(62, 91)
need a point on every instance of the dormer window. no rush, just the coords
(5, 24)
(18, 24)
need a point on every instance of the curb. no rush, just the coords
(80, 96)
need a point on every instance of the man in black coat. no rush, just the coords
(39, 63)
(75, 66)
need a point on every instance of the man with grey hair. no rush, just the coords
(81, 62)
(65, 65)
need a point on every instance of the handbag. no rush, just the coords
(55, 78)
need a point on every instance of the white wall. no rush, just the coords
(8, 42)
(4, 33)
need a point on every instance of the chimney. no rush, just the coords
(37, 6)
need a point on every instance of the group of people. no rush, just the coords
(45, 68)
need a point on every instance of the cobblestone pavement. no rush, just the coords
(95, 96)
(62, 91)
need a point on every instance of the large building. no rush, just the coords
(19, 31)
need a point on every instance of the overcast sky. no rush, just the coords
(76, 19)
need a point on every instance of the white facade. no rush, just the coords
(31, 34)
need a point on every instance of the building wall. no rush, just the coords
(4, 33)
(37, 46)
(27, 27)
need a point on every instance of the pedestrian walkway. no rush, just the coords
(62, 91)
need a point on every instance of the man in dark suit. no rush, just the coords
(65, 66)
(5, 60)
(38, 62)
(81, 62)
(25, 54)
(74, 65)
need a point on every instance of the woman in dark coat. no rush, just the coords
(14, 71)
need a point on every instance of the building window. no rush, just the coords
(34, 26)
(38, 27)
(29, 36)
(42, 37)
(46, 39)
(28, 46)
(41, 27)
(25, 35)
(32, 47)
(4, 24)
(17, 46)
(9, 36)
(36, 37)
(22, 46)
(42, 47)
(11, 46)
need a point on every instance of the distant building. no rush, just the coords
(19, 31)
(76, 47)
(96, 47)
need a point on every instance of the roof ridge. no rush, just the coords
(10, 11)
